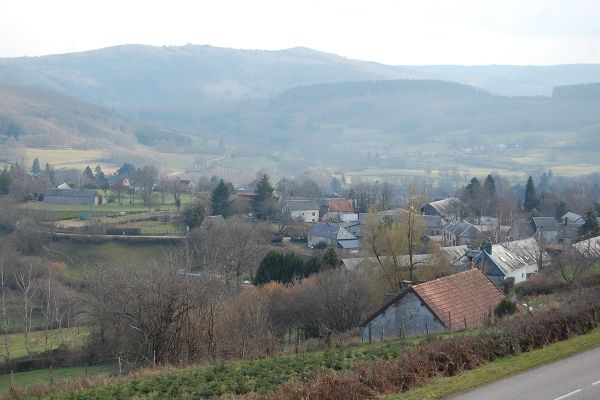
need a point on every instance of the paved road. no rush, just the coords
(574, 378)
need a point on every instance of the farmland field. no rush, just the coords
(77, 256)
(43, 376)
(72, 337)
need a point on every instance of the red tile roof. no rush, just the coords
(468, 295)
(465, 296)
(341, 205)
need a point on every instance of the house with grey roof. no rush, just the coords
(448, 209)
(572, 218)
(499, 263)
(331, 235)
(521, 230)
(530, 252)
(546, 229)
(71, 196)
(300, 209)
(433, 224)
(457, 232)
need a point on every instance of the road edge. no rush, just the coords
(440, 388)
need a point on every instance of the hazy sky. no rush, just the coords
(391, 32)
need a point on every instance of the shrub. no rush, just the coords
(504, 308)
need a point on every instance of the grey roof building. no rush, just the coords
(456, 233)
(521, 230)
(71, 196)
(446, 208)
(330, 234)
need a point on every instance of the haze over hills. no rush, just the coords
(40, 117)
(300, 107)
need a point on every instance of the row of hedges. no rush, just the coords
(540, 286)
(362, 372)
(415, 366)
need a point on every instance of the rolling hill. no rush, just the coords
(298, 107)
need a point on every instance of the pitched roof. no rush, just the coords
(522, 229)
(572, 218)
(545, 223)
(589, 247)
(449, 206)
(467, 295)
(330, 231)
(300, 205)
(394, 212)
(70, 192)
(505, 259)
(463, 229)
(455, 253)
(527, 250)
(350, 244)
(340, 205)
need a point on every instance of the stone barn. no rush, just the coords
(458, 301)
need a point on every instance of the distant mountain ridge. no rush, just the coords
(140, 77)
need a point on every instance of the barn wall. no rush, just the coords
(408, 317)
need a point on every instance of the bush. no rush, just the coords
(504, 308)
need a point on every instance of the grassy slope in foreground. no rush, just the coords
(501, 368)
(262, 375)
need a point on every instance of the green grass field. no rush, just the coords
(72, 337)
(44, 376)
(137, 207)
(78, 255)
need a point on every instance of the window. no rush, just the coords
(313, 214)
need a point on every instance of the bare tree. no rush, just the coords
(146, 312)
(25, 280)
(230, 250)
(395, 242)
(145, 178)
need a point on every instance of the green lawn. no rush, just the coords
(71, 337)
(43, 376)
(501, 368)
(77, 255)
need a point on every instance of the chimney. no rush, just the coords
(488, 246)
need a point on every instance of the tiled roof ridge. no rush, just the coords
(442, 278)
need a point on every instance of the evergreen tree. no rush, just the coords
(531, 200)
(193, 215)
(126, 170)
(50, 174)
(285, 268)
(5, 181)
(220, 199)
(263, 202)
(489, 196)
(336, 185)
(590, 227)
(489, 186)
(330, 258)
(35, 167)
